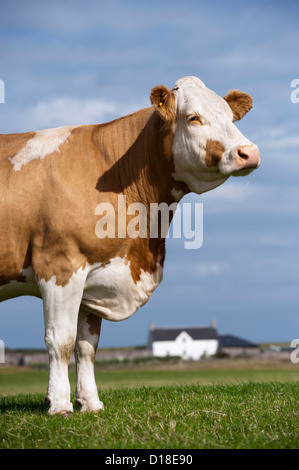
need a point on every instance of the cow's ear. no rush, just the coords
(163, 100)
(239, 102)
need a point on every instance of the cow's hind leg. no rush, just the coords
(61, 307)
(88, 333)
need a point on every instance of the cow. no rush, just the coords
(51, 183)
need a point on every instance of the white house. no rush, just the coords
(186, 342)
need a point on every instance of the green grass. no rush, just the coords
(202, 406)
(244, 415)
(15, 380)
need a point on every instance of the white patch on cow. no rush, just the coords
(44, 143)
(111, 292)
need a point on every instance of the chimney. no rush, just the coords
(152, 326)
(213, 324)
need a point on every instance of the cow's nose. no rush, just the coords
(247, 156)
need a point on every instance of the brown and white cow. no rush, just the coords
(51, 183)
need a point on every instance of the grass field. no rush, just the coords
(240, 407)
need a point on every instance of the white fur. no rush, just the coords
(42, 144)
(86, 345)
(61, 307)
(189, 146)
(111, 292)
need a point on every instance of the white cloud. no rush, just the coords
(187, 267)
(250, 197)
(211, 269)
(69, 111)
(282, 137)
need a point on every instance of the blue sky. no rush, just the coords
(79, 62)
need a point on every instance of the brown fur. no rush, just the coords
(164, 101)
(239, 102)
(214, 152)
(66, 351)
(47, 213)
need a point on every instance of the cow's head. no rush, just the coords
(207, 146)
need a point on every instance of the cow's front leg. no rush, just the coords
(61, 307)
(88, 333)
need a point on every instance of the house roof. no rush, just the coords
(170, 334)
(230, 341)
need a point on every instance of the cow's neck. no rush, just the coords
(161, 163)
(137, 150)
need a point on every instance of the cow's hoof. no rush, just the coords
(90, 407)
(100, 410)
(63, 409)
(64, 413)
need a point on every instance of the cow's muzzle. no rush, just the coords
(247, 157)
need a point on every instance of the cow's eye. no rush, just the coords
(194, 119)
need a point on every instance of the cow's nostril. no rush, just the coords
(243, 155)
(247, 156)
